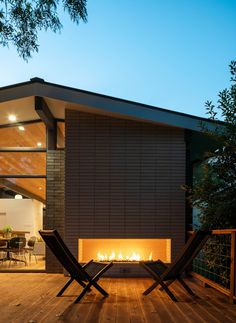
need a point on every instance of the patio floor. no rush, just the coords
(30, 297)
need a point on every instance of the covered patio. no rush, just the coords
(31, 298)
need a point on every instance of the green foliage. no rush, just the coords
(214, 192)
(21, 20)
(7, 229)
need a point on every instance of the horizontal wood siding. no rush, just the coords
(123, 180)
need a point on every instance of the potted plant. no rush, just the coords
(7, 231)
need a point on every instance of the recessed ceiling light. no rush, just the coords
(39, 144)
(12, 117)
(40, 188)
(18, 197)
(21, 128)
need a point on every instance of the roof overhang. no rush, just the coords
(19, 99)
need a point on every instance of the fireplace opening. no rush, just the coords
(124, 250)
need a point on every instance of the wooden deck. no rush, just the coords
(30, 297)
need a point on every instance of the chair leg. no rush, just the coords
(99, 288)
(84, 291)
(170, 294)
(87, 289)
(186, 287)
(167, 284)
(154, 285)
(25, 259)
(65, 287)
(16, 259)
(163, 287)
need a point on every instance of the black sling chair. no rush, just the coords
(86, 275)
(162, 272)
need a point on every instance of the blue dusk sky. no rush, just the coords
(173, 54)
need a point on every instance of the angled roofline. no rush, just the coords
(139, 111)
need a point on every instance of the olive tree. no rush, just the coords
(214, 192)
(214, 189)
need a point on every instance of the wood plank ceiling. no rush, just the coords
(25, 163)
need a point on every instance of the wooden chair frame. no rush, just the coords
(86, 275)
(162, 273)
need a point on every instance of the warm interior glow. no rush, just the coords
(124, 250)
(21, 128)
(12, 117)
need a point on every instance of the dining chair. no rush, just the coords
(3, 245)
(16, 249)
(30, 248)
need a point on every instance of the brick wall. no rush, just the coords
(123, 180)
(54, 217)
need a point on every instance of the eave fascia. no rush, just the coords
(105, 104)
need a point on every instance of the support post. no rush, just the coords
(233, 268)
(52, 137)
(47, 117)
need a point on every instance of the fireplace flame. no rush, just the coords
(150, 256)
(134, 256)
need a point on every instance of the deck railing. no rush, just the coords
(220, 273)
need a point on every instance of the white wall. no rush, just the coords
(25, 215)
(38, 216)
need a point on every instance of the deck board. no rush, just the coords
(31, 296)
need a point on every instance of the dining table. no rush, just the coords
(15, 233)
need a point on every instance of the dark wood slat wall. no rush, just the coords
(123, 180)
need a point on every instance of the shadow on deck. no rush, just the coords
(31, 298)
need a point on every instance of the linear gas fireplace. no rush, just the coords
(124, 250)
(124, 253)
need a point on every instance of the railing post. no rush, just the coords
(233, 268)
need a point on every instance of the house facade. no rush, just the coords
(111, 170)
